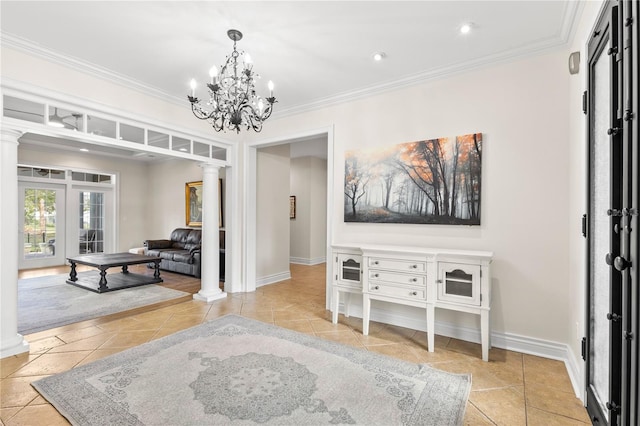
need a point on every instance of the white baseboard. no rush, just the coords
(513, 342)
(306, 261)
(273, 278)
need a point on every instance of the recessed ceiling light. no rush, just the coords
(84, 150)
(183, 149)
(465, 29)
(378, 56)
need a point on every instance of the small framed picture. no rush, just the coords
(292, 207)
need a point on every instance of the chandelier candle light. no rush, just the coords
(233, 102)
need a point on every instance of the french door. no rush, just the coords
(611, 346)
(41, 230)
(92, 224)
(65, 219)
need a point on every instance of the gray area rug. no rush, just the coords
(48, 302)
(235, 370)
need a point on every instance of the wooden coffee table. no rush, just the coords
(103, 262)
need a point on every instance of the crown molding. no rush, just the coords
(25, 46)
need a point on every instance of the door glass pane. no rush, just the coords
(459, 283)
(351, 270)
(91, 232)
(600, 203)
(39, 223)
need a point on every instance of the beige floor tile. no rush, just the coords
(439, 355)
(552, 400)
(396, 350)
(79, 334)
(546, 372)
(321, 325)
(37, 415)
(99, 354)
(17, 391)
(88, 344)
(43, 345)
(128, 339)
(536, 417)
(302, 326)
(469, 348)
(218, 311)
(283, 315)
(345, 337)
(183, 321)
(11, 364)
(48, 364)
(39, 400)
(484, 378)
(474, 417)
(119, 324)
(504, 406)
(264, 316)
(8, 413)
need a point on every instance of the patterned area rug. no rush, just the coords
(48, 302)
(234, 370)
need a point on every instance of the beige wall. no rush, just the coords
(132, 189)
(521, 109)
(308, 230)
(272, 221)
(167, 199)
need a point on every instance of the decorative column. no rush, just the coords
(210, 252)
(11, 343)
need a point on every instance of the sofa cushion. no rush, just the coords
(180, 235)
(195, 237)
(182, 256)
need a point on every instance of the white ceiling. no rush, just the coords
(316, 52)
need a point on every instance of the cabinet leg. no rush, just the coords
(431, 326)
(347, 304)
(366, 312)
(486, 338)
(335, 302)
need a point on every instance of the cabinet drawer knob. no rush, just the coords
(415, 280)
(414, 266)
(376, 275)
(375, 262)
(439, 281)
(414, 293)
(376, 287)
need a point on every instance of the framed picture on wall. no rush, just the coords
(292, 207)
(193, 204)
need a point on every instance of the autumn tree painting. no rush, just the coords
(433, 181)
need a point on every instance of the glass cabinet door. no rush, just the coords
(349, 268)
(459, 283)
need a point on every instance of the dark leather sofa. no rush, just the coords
(180, 253)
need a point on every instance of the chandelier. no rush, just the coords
(233, 102)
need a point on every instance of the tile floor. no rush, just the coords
(511, 389)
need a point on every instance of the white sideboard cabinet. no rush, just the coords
(429, 278)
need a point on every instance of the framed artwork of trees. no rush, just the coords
(435, 181)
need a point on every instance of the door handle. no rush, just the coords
(620, 263)
(608, 259)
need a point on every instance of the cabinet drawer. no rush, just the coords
(397, 265)
(394, 277)
(398, 291)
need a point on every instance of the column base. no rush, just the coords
(14, 347)
(204, 297)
